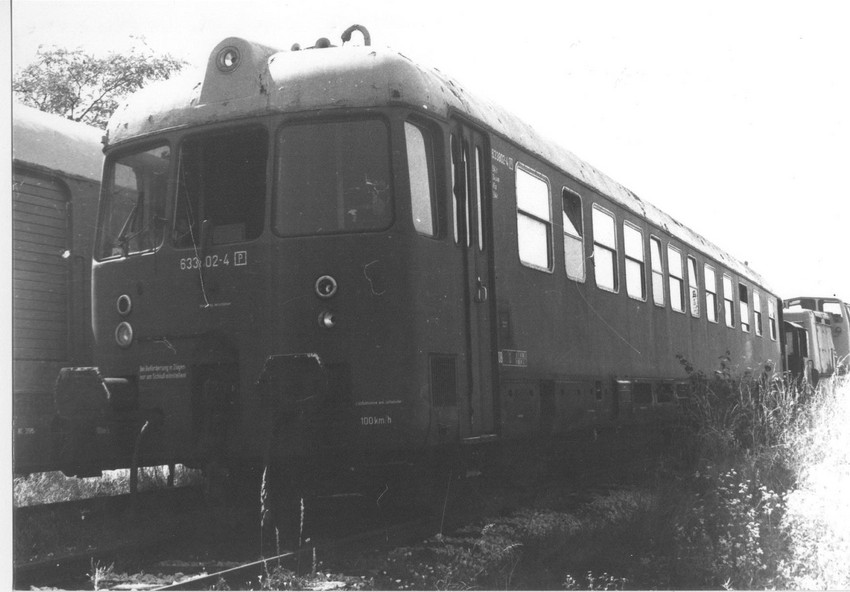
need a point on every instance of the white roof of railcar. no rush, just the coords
(56, 143)
(334, 78)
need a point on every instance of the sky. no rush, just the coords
(730, 116)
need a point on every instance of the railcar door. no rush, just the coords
(473, 234)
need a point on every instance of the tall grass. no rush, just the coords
(44, 488)
(770, 501)
(817, 512)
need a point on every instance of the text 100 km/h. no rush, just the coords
(372, 421)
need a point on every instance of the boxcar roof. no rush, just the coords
(56, 143)
(268, 80)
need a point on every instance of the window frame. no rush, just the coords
(744, 306)
(757, 316)
(654, 240)
(166, 207)
(771, 316)
(680, 278)
(548, 224)
(615, 255)
(712, 292)
(693, 286)
(271, 165)
(729, 299)
(564, 192)
(430, 144)
(276, 133)
(480, 196)
(641, 263)
(459, 148)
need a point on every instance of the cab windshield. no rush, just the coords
(132, 217)
(333, 177)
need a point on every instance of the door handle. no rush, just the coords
(481, 291)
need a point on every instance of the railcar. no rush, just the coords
(835, 315)
(56, 168)
(809, 349)
(340, 259)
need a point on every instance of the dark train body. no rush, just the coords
(341, 258)
(56, 172)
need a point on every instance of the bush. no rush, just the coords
(730, 533)
(730, 414)
(776, 515)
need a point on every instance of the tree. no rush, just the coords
(84, 87)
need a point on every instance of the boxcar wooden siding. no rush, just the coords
(39, 272)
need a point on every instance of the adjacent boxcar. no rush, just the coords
(56, 171)
(341, 256)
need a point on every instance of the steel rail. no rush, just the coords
(247, 575)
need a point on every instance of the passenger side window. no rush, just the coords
(534, 219)
(728, 301)
(605, 249)
(676, 278)
(744, 303)
(771, 317)
(635, 266)
(693, 286)
(710, 294)
(757, 312)
(657, 263)
(573, 236)
(420, 170)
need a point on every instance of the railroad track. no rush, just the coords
(247, 576)
(124, 522)
(241, 568)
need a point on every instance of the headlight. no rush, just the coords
(124, 334)
(325, 286)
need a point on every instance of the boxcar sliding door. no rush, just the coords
(473, 224)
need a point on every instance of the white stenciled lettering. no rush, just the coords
(376, 421)
(162, 372)
(237, 258)
(502, 159)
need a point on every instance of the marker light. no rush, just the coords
(228, 59)
(124, 305)
(327, 320)
(124, 334)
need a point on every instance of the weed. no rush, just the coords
(817, 513)
(101, 575)
(729, 533)
(604, 581)
(768, 502)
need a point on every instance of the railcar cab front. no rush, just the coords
(259, 252)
